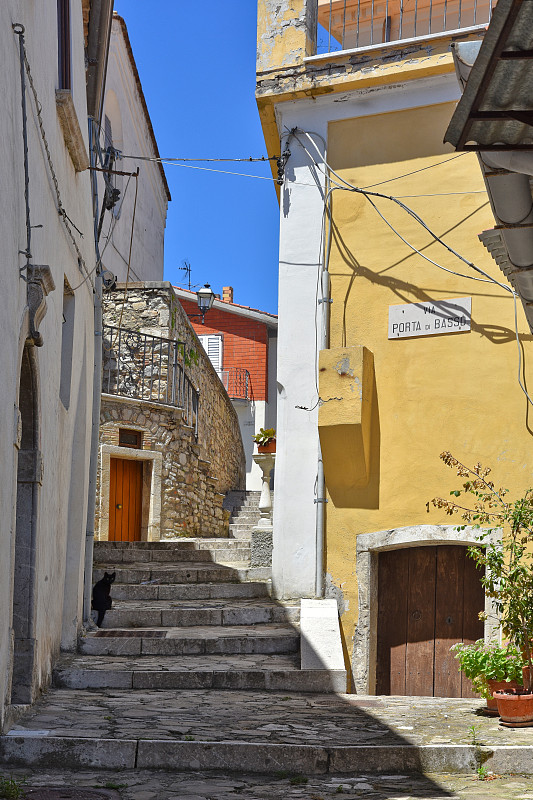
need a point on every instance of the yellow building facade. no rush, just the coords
(391, 348)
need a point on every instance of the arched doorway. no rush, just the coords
(374, 617)
(28, 480)
(429, 598)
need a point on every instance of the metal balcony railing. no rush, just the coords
(351, 24)
(237, 383)
(150, 368)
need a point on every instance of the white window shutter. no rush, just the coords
(212, 344)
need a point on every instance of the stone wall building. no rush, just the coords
(242, 345)
(170, 444)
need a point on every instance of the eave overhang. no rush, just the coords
(496, 109)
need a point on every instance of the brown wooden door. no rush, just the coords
(428, 599)
(125, 500)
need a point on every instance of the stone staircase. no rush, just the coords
(244, 509)
(188, 615)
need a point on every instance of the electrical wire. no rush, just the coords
(414, 172)
(349, 187)
(129, 258)
(108, 236)
(67, 222)
(169, 160)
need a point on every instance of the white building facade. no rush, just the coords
(46, 329)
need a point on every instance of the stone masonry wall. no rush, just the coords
(195, 474)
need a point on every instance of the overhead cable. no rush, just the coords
(166, 160)
(347, 186)
(67, 222)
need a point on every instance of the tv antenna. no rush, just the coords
(186, 268)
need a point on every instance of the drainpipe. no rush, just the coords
(320, 498)
(97, 391)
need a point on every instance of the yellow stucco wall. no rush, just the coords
(456, 392)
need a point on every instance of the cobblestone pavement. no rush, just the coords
(141, 785)
(317, 719)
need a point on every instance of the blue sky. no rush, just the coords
(196, 62)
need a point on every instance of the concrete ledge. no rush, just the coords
(232, 756)
(321, 643)
(63, 752)
(36, 749)
(404, 758)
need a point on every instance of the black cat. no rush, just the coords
(102, 599)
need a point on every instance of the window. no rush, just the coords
(129, 438)
(63, 45)
(67, 340)
(212, 345)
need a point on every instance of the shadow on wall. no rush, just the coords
(405, 291)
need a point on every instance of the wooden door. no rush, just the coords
(125, 500)
(428, 599)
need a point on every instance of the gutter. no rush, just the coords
(99, 34)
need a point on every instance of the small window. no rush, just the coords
(63, 44)
(67, 343)
(212, 344)
(128, 438)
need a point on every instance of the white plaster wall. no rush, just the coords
(64, 433)
(132, 137)
(271, 409)
(294, 554)
(252, 416)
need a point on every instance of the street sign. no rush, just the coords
(429, 318)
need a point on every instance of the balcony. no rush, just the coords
(352, 24)
(150, 368)
(237, 383)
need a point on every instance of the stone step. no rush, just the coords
(240, 534)
(239, 528)
(192, 573)
(281, 674)
(209, 551)
(265, 732)
(189, 591)
(161, 613)
(246, 513)
(216, 544)
(208, 641)
(115, 555)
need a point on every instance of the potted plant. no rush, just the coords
(491, 668)
(265, 440)
(507, 563)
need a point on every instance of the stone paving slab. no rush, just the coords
(291, 718)
(197, 785)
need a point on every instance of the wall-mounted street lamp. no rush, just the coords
(205, 298)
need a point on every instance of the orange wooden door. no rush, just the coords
(125, 500)
(428, 599)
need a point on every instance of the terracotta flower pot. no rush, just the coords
(499, 686)
(515, 709)
(270, 447)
